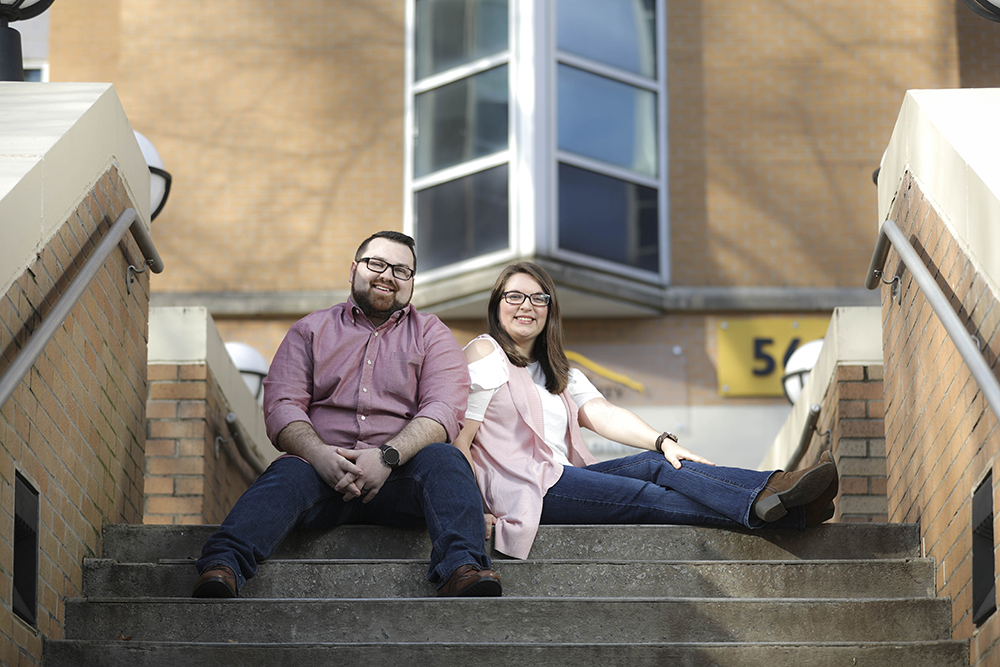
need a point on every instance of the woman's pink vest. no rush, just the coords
(514, 467)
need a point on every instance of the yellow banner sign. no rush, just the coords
(753, 351)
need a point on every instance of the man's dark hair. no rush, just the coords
(397, 237)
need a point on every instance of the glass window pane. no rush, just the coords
(453, 32)
(620, 33)
(461, 121)
(607, 120)
(608, 218)
(462, 219)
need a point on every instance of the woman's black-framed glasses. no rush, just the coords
(379, 266)
(517, 298)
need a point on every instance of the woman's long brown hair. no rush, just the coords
(548, 348)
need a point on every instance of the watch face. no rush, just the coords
(390, 455)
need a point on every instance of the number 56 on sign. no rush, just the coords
(753, 351)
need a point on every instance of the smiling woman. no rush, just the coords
(522, 437)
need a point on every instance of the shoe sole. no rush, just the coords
(215, 588)
(807, 488)
(487, 588)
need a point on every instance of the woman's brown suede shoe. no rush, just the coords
(822, 508)
(785, 490)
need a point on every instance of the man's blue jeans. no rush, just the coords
(435, 488)
(646, 488)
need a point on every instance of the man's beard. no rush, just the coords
(363, 298)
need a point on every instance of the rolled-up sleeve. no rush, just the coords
(289, 382)
(444, 379)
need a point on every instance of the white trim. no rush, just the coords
(527, 92)
(464, 266)
(664, 140)
(607, 169)
(607, 71)
(549, 226)
(409, 114)
(608, 266)
(460, 170)
(463, 71)
(41, 65)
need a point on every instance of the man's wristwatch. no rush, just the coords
(390, 455)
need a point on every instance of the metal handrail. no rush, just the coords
(963, 340)
(807, 432)
(127, 221)
(233, 424)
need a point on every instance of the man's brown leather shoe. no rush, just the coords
(218, 581)
(469, 581)
(792, 489)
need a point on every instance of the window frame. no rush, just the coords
(41, 66)
(532, 154)
(660, 183)
(412, 185)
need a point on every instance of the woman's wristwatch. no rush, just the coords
(659, 441)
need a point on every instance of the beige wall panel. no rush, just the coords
(84, 39)
(282, 130)
(779, 114)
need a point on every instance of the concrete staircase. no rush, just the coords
(844, 594)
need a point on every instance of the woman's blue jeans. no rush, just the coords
(646, 488)
(435, 488)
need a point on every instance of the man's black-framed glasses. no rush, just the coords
(517, 298)
(400, 271)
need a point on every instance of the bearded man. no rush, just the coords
(362, 399)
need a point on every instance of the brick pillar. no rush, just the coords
(175, 444)
(189, 479)
(859, 444)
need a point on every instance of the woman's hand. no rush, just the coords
(624, 426)
(490, 522)
(675, 454)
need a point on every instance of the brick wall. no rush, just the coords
(188, 479)
(941, 437)
(298, 143)
(853, 412)
(75, 427)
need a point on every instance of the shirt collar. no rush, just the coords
(394, 319)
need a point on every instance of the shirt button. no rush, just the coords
(376, 334)
(364, 389)
(362, 417)
(369, 362)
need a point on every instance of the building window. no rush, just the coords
(538, 128)
(459, 117)
(36, 71)
(984, 587)
(25, 565)
(610, 97)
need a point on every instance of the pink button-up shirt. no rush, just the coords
(358, 386)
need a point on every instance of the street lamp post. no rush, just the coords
(11, 61)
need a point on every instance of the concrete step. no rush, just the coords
(150, 544)
(279, 578)
(510, 620)
(804, 654)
